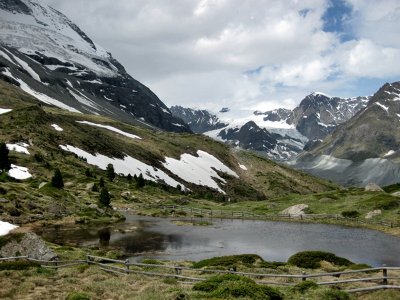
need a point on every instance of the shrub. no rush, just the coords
(312, 259)
(334, 295)
(101, 182)
(151, 261)
(17, 265)
(77, 296)
(225, 261)
(57, 179)
(235, 286)
(350, 214)
(95, 188)
(140, 181)
(305, 286)
(271, 264)
(3, 191)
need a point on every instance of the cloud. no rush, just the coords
(245, 54)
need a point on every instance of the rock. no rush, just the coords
(295, 210)
(93, 206)
(42, 184)
(69, 184)
(373, 213)
(4, 200)
(373, 187)
(90, 186)
(126, 195)
(28, 245)
(396, 194)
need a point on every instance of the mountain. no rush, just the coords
(49, 57)
(199, 121)
(279, 134)
(43, 138)
(363, 149)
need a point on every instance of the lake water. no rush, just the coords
(162, 238)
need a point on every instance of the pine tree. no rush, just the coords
(5, 163)
(129, 177)
(57, 180)
(110, 172)
(104, 198)
(140, 181)
(101, 182)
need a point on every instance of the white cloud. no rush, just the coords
(195, 53)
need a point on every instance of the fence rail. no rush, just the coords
(225, 214)
(123, 267)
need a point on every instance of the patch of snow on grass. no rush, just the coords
(243, 167)
(390, 152)
(19, 147)
(56, 127)
(6, 227)
(127, 165)
(18, 172)
(4, 110)
(132, 136)
(200, 170)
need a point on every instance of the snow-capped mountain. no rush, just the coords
(364, 148)
(280, 134)
(49, 57)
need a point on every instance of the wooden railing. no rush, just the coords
(225, 214)
(123, 267)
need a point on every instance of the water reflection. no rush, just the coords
(161, 238)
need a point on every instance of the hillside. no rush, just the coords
(81, 146)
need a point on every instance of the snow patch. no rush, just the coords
(127, 165)
(200, 170)
(119, 131)
(6, 227)
(390, 152)
(243, 167)
(327, 162)
(18, 172)
(56, 127)
(18, 147)
(4, 110)
(386, 108)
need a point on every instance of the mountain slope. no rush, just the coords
(48, 56)
(365, 148)
(172, 163)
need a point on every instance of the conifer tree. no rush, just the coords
(110, 172)
(104, 198)
(57, 180)
(101, 182)
(5, 163)
(140, 181)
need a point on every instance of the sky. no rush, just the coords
(247, 54)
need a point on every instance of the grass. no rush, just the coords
(312, 259)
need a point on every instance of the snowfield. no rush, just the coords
(4, 110)
(56, 127)
(119, 131)
(18, 147)
(20, 173)
(6, 227)
(127, 165)
(199, 170)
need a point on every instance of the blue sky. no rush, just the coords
(255, 54)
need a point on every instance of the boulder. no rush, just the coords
(373, 213)
(27, 244)
(295, 210)
(4, 200)
(373, 187)
(126, 195)
(69, 184)
(326, 200)
(396, 194)
(89, 186)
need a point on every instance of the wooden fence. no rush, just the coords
(245, 215)
(381, 276)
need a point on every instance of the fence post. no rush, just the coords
(384, 275)
(304, 278)
(178, 270)
(127, 266)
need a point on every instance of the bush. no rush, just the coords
(17, 265)
(312, 259)
(271, 264)
(230, 285)
(77, 296)
(57, 179)
(334, 295)
(226, 261)
(305, 286)
(101, 182)
(5, 163)
(350, 214)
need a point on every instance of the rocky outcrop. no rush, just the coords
(28, 244)
(295, 210)
(373, 187)
(373, 213)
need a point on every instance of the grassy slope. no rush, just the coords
(31, 122)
